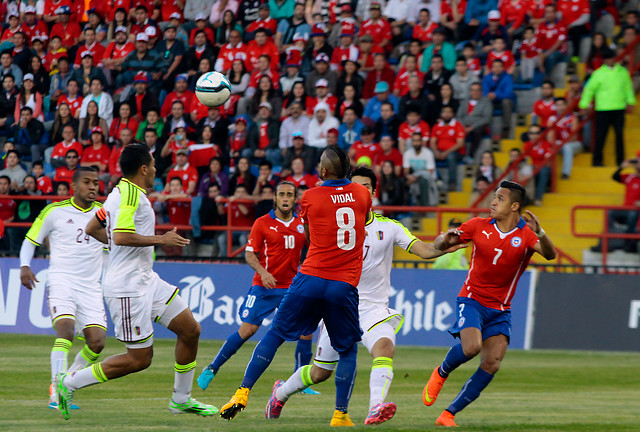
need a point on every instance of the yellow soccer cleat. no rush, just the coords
(237, 403)
(340, 419)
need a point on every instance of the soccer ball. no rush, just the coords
(213, 89)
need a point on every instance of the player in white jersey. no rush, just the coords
(379, 322)
(74, 295)
(134, 293)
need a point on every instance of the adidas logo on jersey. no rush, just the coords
(70, 221)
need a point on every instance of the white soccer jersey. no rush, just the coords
(76, 258)
(382, 235)
(128, 209)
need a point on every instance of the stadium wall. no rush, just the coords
(215, 292)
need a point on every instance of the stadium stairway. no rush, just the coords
(587, 186)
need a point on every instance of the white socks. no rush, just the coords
(380, 380)
(183, 382)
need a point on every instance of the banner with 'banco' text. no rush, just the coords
(215, 292)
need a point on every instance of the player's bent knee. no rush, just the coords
(383, 348)
(65, 329)
(471, 349)
(247, 330)
(96, 345)
(491, 366)
(140, 359)
(319, 375)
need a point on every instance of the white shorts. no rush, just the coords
(86, 308)
(133, 317)
(377, 322)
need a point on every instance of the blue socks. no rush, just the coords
(261, 358)
(230, 347)
(303, 353)
(470, 391)
(455, 357)
(345, 377)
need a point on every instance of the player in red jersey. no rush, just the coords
(334, 215)
(273, 251)
(503, 246)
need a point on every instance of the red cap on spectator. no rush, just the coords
(347, 29)
(333, 131)
(318, 29)
(345, 7)
(141, 76)
(294, 58)
(494, 15)
(96, 129)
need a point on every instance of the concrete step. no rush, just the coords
(569, 200)
(590, 187)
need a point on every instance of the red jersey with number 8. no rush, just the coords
(335, 213)
(278, 245)
(497, 262)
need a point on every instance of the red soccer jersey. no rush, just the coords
(379, 30)
(402, 81)
(39, 28)
(370, 150)
(99, 155)
(167, 7)
(330, 100)
(278, 245)
(114, 161)
(257, 74)
(394, 156)
(538, 152)
(268, 24)
(535, 8)
(208, 32)
(179, 212)
(505, 56)
(74, 105)
(563, 127)
(113, 52)
(50, 57)
(335, 213)
(97, 51)
(406, 130)
(548, 34)
(200, 154)
(424, 34)
(513, 14)
(497, 262)
(187, 174)
(447, 10)
(254, 51)
(544, 109)
(185, 98)
(308, 180)
(632, 189)
(474, 65)
(571, 10)
(68, 34)
(7, 208)
(238, 218)
(64, 174)
(60, 150)
(529, 49)
(227, 55)
(341, 53)
(447, 135)
(45, 185)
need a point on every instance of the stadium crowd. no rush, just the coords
(412, 88)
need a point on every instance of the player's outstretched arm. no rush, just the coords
(428, 250)
(447, 240)
(170, 238)
(267, 278)
(27, 277)
(96, 230)
(545, 247)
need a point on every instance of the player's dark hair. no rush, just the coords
(366, 172)
(81, 170)
(344, 162)
(133, 157)
(285, 183)
(517, 192)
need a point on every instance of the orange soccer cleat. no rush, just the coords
(446, 420)
(432, 388)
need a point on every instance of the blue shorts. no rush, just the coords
(260, 303)
(491, 322)
(310, 299)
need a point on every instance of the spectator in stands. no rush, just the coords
(475, 114)
(266, 92)
(215, 175)
(143, 100)
(219, 126)
(266, 178)
(44, 182)
(299, 177)
(262, 138)
(440, 47)
(8, 96)
(41, 78)
(7, 67)
(142, 59)
(21, 53)
(447, 143)
(292, 75)
(7, 211)
(499, 51)
(487, 168)
(611, 90)
(101, 98)
(88, 122)
(295, 122)
(116, 53)
(381, 72)
(414, 100)
(551, 37)
(63, 189)
(566, 134)
(300, 149)
(181, 93)
(171, 51)
(350, 77)
(498, 87)
(544, 108)
(14, 170)
(413, 124)
(124, 120)
(199, 51)
(480, 188)
(366, 149)
(598, 46)
(90, 47)
(59, 81)
(388, 123)
(264, 200)
(72, 98)
(97, 155)
(424, 28)
(152, 121)
(59, 153)
(486, 33)
(322, 96)
(349, 99)
(387, 152)
(28, 135)
(445, 98)
(184, 171)
(435, 77)
(28, 97)
(291, 25)
(462, 80)
(345, 49)
(241, 214)
(420, 172)
(382, 95)
(391, 188)
(242, 176)
(177, 116)
(529, 59)
(350, 129)
(539, 149)
(64, 173)
(68, 31)
(27, 211)
(321, 71)
(320, 124)
(575, 17)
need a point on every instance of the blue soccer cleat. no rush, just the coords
(310, 391)
(205, 378)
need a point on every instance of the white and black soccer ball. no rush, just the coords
(213, 89)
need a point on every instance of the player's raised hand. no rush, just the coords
(172, 238)
(268, 280)
(27, 277)
(532, 221)
(452, 235)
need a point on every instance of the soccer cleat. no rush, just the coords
(237, 403)
(446, 420)
(340, 419)
(380, 413)
(192, 406)
(433, 387)
(310, 391)
(274, 406)
(205, 378)
(53, 399)
(65, 397)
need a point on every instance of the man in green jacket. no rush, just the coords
(611, 88)
(442, 47)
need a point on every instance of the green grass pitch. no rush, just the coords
(534, 391)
